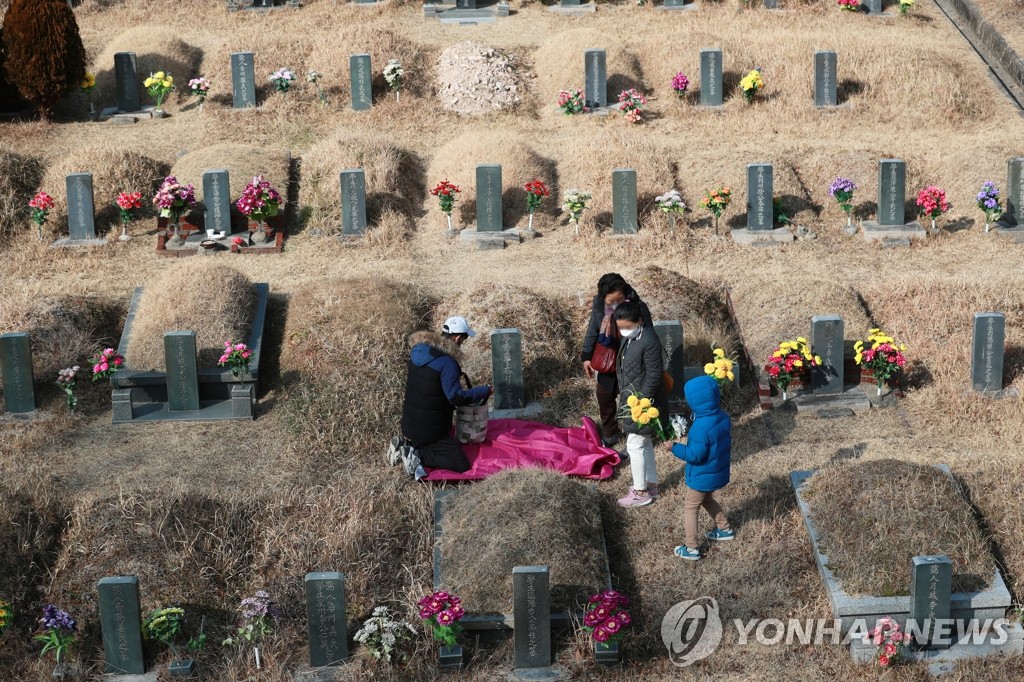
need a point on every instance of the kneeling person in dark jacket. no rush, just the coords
(432, 392)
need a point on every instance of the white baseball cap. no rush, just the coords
(457, 325)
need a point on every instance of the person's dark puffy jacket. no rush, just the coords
(597, 316)
(640, 369)
(434, 388)
(709, 440)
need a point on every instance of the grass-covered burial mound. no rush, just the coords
(526, 517)
(874, 517)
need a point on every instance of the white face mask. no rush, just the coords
(628, 333)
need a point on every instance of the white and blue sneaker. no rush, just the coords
(718, 535)
(410, 460)
(684, 552)
(394, 453)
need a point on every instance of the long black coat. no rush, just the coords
(594, 329)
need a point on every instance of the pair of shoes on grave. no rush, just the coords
(410, 460)
(640, 498)
(717, 535)
(394, 453)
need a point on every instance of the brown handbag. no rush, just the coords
(603, 360)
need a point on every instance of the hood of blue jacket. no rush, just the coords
(702, 395)
(423, 354)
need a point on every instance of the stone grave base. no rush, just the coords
(531, 411)
(65, 242)
(369, 3)
(574, 10)
(751, 237)
(676, 8)
(234, 5)
(845, 404)
(526, 674)
(449, 14)
(874, 232)
(115, 115)
(23, 417)
(1009, 392)
(889, 397)
(941, 661)
(325, 674)
(602, 111)
(832, 108)
(141, 677)
(485, 241)
(992, 603)
(194, 234)
(1014, 233)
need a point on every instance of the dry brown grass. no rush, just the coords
(996, 491)
(221, 310)
(242, 163)
(19, 178)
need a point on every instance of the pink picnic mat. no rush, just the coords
(514, 444)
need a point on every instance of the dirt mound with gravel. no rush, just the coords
(474, 79)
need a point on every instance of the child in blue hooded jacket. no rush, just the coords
(706, 453)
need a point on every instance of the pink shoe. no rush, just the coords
(636, 498)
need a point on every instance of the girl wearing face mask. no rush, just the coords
(612, 290)
(639, 368)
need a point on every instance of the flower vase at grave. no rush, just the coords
(529, 225)
(934, 230)
(451, 230)
(124, 232)
(673, 216)
(262, 232)
(450, 657)
(175, 221)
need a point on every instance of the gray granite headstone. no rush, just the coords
(1015, 190)
(16, 372)
(217, 200)
(121, 625)
(827, 342)
(825, 78)
(675, 3)
(465, 4)
(987, 352)
(325, 617)
(624, 201)
(760, 188)
(362, 81)
(353, 201)
(243, 79)
(531, 611)
(182, 382)
(570, 3)
(488, 198)
(670, 333)
(931, 586)
(872, 6)
(892, 191)
(126, 78)
(507, 368)
(711, 77)
(81, 216)
(595, 89)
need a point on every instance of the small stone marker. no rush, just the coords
(182, 383)
(243, 79)
(711, 77)
(81, 216)
(326, 621)
(670, 333)
(931, 586)
(126, 78)
(570, 3)
(892, 191)
(624, 201)
(825, 79)
(595, 91)
(675, 3)
(760, 188)
(1015, 191)
(488, 198)
(507, 368)
(987, 352)
(531, 611)
(16, 372)
(872, 6)
(353, 201)
(465, 4)
(827, 342)
(362, 81)
(217, 200)
(121, 625)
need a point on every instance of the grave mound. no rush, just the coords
(473, 79)
(214, 301)
(156, 48)
(558, 63)
(20, 177)
(242, 163)
(874, 517)
(381, 45)
(525, 517)
(997, 490)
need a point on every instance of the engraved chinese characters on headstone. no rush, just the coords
(1015, 191)
(987, 352)
(507, 368)
(892, 190)
(488, 198)
(624, 201)
(711, 77)
(243, 79)
(16, 372)
(825, 79)
(827, 343)
(353, 201)
(182, 382)
(595, 89)
(121, 625)
(126, 78)
(760, 183)
(531, 611)
(931, 586)
(325, 615)
(81, 218)
(361, 78)
(670, 333)
(217, 200)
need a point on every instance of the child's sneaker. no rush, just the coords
(684, 552)
(720, 535)
(636, 498)
(394, 454)
(410, 460)
(652, 488)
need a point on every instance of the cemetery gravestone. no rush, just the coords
(892, 191)
(325, 614)
(570, 3)
(827, 333)
(531, 611)
(182, 382)
(16, 372)
(1015, 191)
(825, 79)
(931, 586)
(81, 217)
(624, 201)
(353, 201)
(596, 79)
(675, 3)
(243, 79)
(126, 78)
(465, 4)
(507, 369)
(217, 201)
(760, 214)
(670, 333)
(872, 6)
(121, 625)
(987, 352)
(488, 198)
(711, 77)
(362, 80)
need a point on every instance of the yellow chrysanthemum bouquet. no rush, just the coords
(721, 369)
(642, 412)
(5, 615)
(880, 354)
(159, 85)
(751, 83)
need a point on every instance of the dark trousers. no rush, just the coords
(443, 454)
(608, 403)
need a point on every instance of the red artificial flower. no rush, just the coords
(537, 188)
(445, 188)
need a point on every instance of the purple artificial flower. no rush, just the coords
(57, 619)
(680, 82)
(840, 184)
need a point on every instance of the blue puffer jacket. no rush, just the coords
(709, 440)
